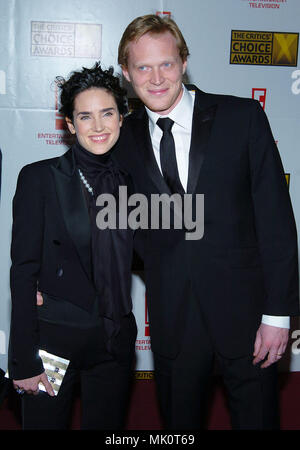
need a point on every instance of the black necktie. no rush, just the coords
(168, 157)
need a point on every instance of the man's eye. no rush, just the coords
(84, 117)
(143, 68)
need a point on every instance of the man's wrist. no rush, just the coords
(276, 321)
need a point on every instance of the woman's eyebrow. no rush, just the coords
(101, 110)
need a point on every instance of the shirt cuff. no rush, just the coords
(276, 321)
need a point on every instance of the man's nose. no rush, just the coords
(157, 76)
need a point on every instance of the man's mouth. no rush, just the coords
(157, 92)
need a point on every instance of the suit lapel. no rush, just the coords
(73, 207)
(203, 118)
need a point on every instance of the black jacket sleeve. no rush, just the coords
(274, 220)
(26, 251)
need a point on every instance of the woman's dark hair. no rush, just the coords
(87, 79)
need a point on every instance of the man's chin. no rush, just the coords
(158, 107)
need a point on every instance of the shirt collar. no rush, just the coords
(182, 113)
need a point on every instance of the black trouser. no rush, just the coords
(104, 396)
(183, 382)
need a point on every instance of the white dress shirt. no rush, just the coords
(182, 115)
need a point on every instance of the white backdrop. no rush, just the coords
(40, 39)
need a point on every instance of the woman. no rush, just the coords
(82, 271)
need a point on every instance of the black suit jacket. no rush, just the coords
(50, 252)
(246, 263)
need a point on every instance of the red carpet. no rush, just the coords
(144, 415)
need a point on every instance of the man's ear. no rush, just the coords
(121, 119)
(184, 65)
(126, 73)
(70, 125)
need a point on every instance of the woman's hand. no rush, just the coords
(31, 385)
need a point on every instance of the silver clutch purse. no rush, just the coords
(55, 368)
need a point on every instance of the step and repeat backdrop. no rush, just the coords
(247, 48)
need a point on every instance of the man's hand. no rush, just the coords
(39, 298)
(31, 385)
(271, 341)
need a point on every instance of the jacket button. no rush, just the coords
(59, 272)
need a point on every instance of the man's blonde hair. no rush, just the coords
(150, 24)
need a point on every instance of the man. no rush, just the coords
(229, 294)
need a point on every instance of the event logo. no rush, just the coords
(296, 84)
(287, 177)
(55, 138)
(163, 13)
(2, 82)
(266, 4)
(67, 40)
(144, 375)
(147, 329)
(60, 123)
(264, 48)
(144, 345)
(260, 95)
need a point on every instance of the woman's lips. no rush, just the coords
(99, 138)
